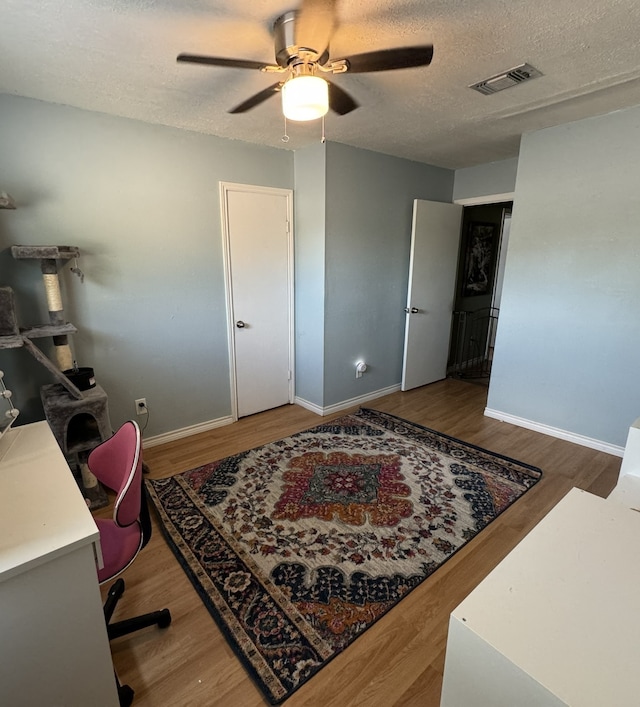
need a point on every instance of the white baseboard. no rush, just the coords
(336, 407)
(556, 432)
(308, 406)
(221, 421)
(187, 431)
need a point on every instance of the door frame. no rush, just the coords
(486, 200)
(225, 189)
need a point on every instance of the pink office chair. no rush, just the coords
(117, 463)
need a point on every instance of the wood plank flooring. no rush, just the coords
(399, 661)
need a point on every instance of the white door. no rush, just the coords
(435, 240)
(258, 243)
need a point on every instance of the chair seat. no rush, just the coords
(119, 547)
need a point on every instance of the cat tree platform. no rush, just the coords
(23, 339)
(45, 252)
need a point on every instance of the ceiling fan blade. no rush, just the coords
(220, 61)
(390, 59)
(315, 22)
(340, 101)
(257, 99)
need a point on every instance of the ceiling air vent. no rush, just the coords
(506, 79)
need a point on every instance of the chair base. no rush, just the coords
(162, 619)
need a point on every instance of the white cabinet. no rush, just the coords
(627, 490)
(557, 622)
(54, 648)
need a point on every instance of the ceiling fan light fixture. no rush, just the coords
(305, 98)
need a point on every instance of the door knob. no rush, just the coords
(413, 310)
(240, 324)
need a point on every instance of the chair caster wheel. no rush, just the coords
(125, 695)
(164, 619)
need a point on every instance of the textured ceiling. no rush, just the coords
(119, 57)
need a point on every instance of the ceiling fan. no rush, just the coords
(301, 40)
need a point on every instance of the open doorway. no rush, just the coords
(483, 246)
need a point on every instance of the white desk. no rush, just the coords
(557, 622)
(627, 490)
(54, 648)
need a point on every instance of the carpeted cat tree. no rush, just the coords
(75, 407)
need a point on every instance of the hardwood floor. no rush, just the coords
(399, 661)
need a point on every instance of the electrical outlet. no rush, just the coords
(141, 406)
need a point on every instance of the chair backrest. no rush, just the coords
(117, 463)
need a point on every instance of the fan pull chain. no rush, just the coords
(285, 137)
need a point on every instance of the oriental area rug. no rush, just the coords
(298, 546)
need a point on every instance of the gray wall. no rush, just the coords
(486, 179)
(142, 203)
(353, 232)
(368, 234)
(310, 200)
(569, 332)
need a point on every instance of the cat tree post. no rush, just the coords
(49, 267)
(58, 328)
